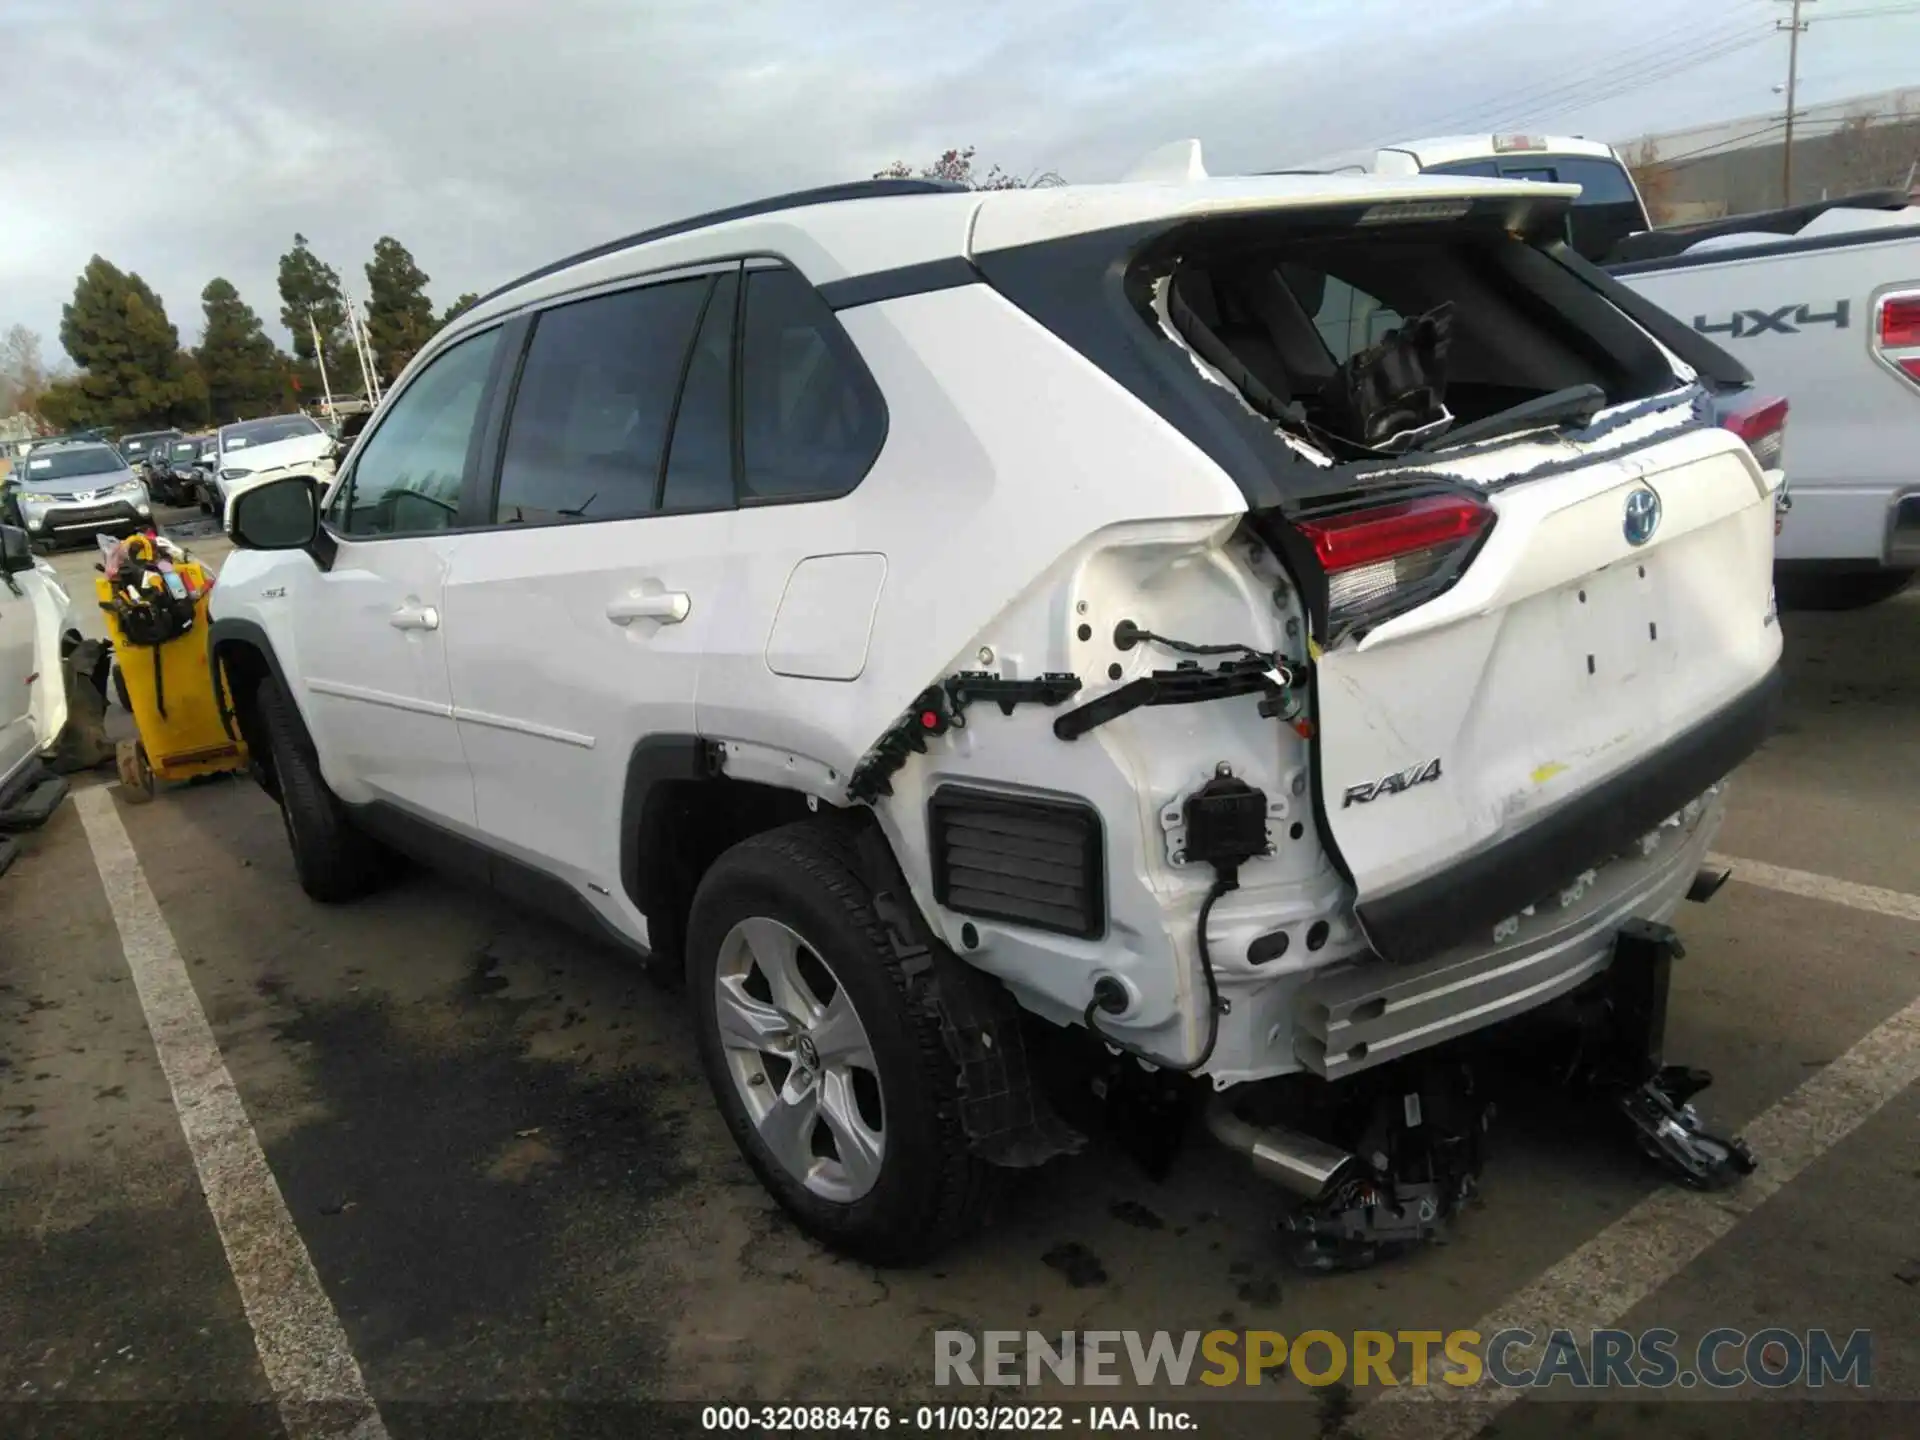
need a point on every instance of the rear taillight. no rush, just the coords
(1389, 558)
(1896, 333)
(1763, 425)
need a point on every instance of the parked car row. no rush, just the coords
(66, 486)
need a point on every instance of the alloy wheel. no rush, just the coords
(800, 1059)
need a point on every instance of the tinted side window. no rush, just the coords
(588, 431)
(700, 463)
(812, 419)
(1601, 182)
(406, 478)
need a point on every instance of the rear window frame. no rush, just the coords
(1094, 292)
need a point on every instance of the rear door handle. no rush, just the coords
(669, 607)
(415, 617)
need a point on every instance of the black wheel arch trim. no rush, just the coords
(251, 634)
(1004, 1110)
(1424, 918)
(654, 761)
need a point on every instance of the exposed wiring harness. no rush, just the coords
(1126, 635)
(1228, 878)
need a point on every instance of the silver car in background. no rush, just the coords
(70, 489)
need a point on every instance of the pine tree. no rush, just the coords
(310, 291)
(399, 316)
(459, 307)
(133, 372)
(244, 372)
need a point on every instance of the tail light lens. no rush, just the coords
(1386, 559)
(1896, 333)
(1763, 425)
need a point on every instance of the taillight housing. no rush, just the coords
(1763, 425)
(1896, 333)
(1382, 560)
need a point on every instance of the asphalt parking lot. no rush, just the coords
(495, 1144)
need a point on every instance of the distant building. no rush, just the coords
(1868, 142)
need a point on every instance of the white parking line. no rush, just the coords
(316, 1381)
(1653, 1242)
(1821, 887)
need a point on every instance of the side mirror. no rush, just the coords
(279, 515)
(16, 550)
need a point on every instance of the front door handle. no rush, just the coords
(415, 617)
(669, 607)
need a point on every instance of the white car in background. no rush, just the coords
(253, 451)
(37, 633)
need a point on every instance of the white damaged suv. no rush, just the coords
(1279, 624)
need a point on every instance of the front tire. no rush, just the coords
(335, 861)
(829, 1069)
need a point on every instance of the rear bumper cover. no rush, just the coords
(1425, 918)
(1371, 1012)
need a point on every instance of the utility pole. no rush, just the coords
(320, 358)
(1793, 27)
(360, 348)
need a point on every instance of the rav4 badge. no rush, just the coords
(1391, 784)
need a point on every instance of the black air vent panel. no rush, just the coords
(1023, 859)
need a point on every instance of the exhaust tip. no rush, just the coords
(1707, 882)
(1297, 1163)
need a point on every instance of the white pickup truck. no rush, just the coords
(1820, 302)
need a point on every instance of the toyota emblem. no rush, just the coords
(1643, 516)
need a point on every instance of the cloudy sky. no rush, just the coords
(184, 139)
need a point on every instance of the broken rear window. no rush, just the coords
(1368, 342)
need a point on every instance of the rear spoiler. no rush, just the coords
(1714, 365)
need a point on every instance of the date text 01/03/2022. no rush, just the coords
(947, 1419)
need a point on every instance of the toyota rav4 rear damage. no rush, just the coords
(1205, 645)
(1494, 628)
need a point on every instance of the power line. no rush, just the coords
(1585, 97)
(1637, 60)
(1826, 15)
(1643, 51)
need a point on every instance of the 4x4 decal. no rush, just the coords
(1787, 320)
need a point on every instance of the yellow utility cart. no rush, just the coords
(155, 607)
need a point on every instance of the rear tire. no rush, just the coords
(1841, 590)
(915, 1187)
(335, 861)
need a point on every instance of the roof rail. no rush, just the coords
(794, 200)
